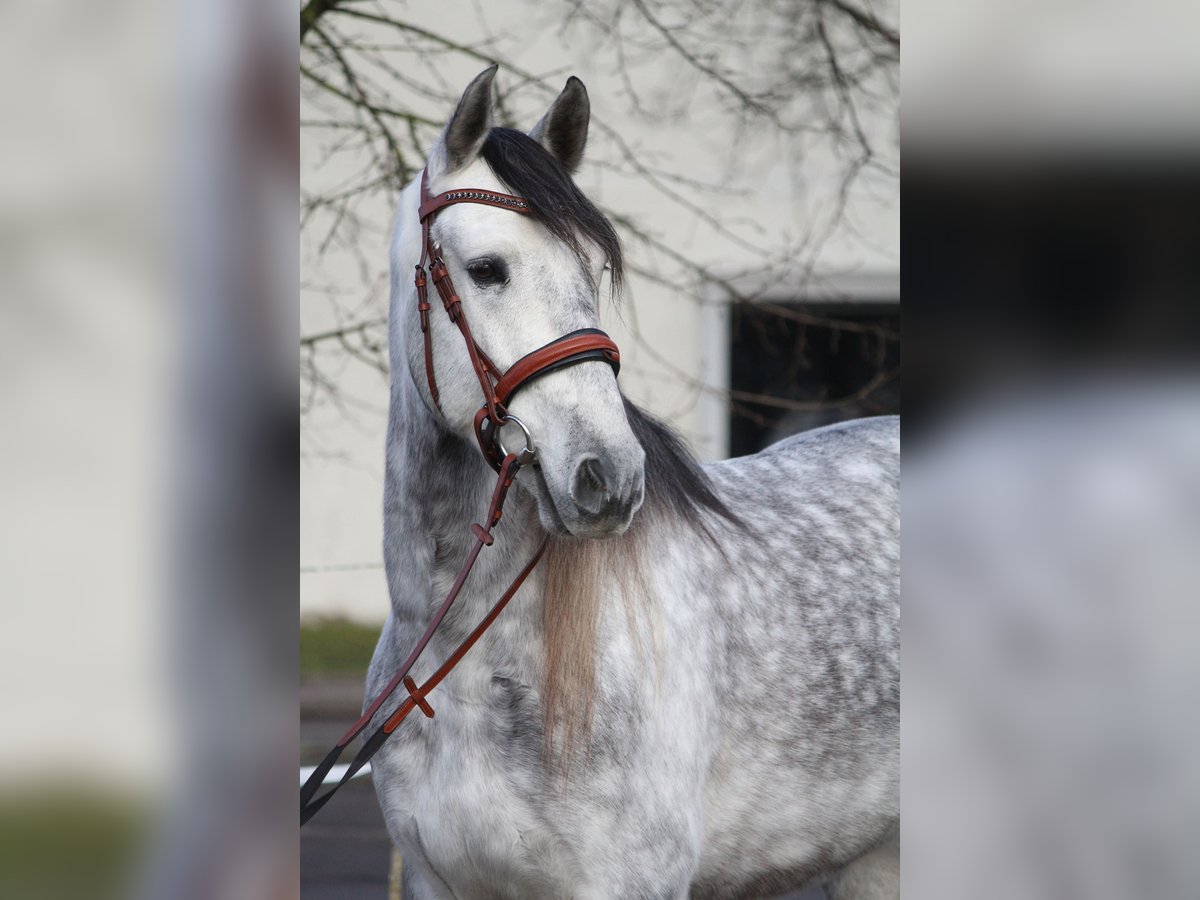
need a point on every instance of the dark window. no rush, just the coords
(834, 362)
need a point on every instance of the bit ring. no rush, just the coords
(528, 452)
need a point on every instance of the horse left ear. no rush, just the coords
(563, 129)
(469, 126)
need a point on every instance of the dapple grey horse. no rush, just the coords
(697, 692)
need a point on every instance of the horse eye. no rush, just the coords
(487, 271)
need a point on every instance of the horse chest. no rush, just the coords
(469, 794)
(466, 792)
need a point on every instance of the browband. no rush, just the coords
(430, 204)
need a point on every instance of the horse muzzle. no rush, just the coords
(605, 492)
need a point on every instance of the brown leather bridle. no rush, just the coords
(584, 345)
(498, 387)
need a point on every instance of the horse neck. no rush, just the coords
(438, 486)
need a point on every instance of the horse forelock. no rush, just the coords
(529, 170)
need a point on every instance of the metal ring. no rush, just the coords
(527, 455)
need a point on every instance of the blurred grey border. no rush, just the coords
(147, 296)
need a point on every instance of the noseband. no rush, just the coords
(584, 345)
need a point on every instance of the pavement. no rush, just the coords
(345, 852)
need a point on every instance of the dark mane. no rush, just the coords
(529, 170)
(674, 478)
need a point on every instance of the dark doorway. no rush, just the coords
(831, 362)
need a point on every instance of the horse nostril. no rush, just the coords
(591, 489)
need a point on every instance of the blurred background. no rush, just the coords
(148, 282)
(1051, 450)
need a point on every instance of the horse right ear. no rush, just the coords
(563, 130)
(468, 127)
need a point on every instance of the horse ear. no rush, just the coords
(563, 130)
(468, 127)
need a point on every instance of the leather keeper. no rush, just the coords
(418, 697)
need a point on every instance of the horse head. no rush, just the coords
(523, 282)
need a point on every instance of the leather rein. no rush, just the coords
(498, 388)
